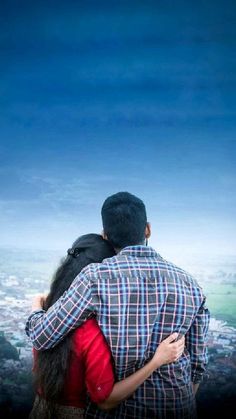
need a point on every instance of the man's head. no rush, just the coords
(125, 220)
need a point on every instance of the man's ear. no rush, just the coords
(104, 236)
(148, 231)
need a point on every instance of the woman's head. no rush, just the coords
(52, 364)
(90, 248)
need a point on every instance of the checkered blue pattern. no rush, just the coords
(138, 299)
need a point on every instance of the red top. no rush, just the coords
(90, 369)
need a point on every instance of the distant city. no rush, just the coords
(22, 277)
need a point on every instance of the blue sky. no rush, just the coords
(98, 97)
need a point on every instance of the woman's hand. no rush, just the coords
(38, 302)
(169, 350)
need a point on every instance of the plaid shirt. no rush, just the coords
(139, 299)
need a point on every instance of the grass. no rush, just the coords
(221, 301)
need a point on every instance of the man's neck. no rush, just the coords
(137, 244)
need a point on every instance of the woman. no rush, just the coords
(82, 362)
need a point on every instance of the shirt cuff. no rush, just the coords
(33, 316)
(40, 310)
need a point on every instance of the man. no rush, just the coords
(139, 299)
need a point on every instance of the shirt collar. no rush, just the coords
(139, 250)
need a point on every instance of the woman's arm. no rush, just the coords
(168, 351)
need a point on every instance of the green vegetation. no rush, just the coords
(7, 351)
(221, 300)
(20, 344)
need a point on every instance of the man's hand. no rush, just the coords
(38, 302)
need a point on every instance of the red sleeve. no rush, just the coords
(35, 356)
(99, 375)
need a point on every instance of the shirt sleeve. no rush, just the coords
(99, 373)
(46, 329)
(195, 341)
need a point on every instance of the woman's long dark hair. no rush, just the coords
(52, 364)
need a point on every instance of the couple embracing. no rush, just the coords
(122, 333)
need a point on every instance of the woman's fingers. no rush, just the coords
(180, 343)
(178, 348)
(172, 337)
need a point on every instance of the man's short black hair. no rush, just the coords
(124, 220)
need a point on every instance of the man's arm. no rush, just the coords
(46, 329)
(195, 340)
